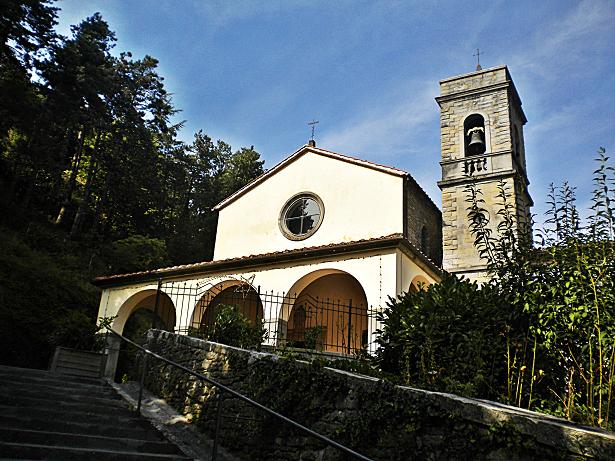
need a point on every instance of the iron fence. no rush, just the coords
(304, 321)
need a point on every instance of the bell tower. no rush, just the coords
(481, 123)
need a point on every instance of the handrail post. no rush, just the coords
(214, 450)
(142, 381)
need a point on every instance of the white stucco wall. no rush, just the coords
(359, 203)
(376, 271)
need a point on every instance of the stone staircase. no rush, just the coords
(44, 415)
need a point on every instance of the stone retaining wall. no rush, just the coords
(378, 419)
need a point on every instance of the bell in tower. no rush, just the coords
(474, 128)
(476, 145)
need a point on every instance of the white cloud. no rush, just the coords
(564, 41)
(382, 129)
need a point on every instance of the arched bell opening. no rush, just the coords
(474, 135)
(329, 314)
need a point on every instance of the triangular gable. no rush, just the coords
(303, 150)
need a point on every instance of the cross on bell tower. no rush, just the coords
(477, 54)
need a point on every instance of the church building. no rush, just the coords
(318, 244)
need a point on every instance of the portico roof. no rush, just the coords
(380, 243)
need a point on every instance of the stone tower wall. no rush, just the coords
(491, 94)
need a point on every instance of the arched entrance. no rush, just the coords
(235, 293)
(328, 314)
(142, 311)
(161, 310)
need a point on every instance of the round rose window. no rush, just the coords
(301, 216)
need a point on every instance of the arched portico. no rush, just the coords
(230, 292)
(146, 299)
(149, 307)
(326, 310)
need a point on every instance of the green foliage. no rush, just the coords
(446, 337)
(233, 328)
(374, 417)
(87, 141)
(93, 176)
(541, 333)
(43, 304)
(76, 329)
(313, 337)
(136, 253)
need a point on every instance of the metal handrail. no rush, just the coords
(234, 393)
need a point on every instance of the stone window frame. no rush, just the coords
(282, 219)
(461, 134)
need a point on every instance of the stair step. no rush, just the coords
(55, 384)
(93, 427)
(45, 415)
(11, 395)
(8, 373)
(81, 362)
(70, 369)
(44, 373)
(69, 453)
(123, 416)
(32, 402)
(86, 441)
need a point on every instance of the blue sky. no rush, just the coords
(255, 72)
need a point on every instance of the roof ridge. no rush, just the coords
(302, 151)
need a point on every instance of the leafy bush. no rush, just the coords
(314, 337)
(233, 328)
(42, 304)
(446, 338)
(541, 333)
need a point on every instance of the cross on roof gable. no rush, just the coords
(296, 155)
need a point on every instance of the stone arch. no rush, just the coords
(141, 311)
(146, 299)
(418, 283)
(232, 292)
(326, 310)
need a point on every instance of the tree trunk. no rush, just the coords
(85, 203)
(72, 180)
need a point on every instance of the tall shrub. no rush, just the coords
(541, 333)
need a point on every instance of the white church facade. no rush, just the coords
(322, 241)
